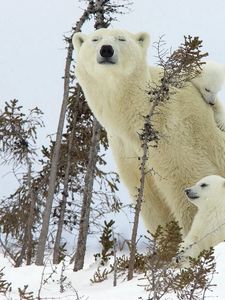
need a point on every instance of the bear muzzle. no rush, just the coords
(106, 55)
(190, 194)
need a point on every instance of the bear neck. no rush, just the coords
(113, 91)
(211, 208)
(114, 87)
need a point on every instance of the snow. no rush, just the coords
(32, 59)
(78, 283)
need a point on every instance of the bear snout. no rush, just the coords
(187, 191)
(190, 194)
(106, 51)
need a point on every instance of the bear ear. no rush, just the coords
(143, 39)
(78, 39)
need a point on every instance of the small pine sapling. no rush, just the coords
(5, 286)
(107, 242)
(100, 276)
(167, 242)
(163, 274)
(24, 294)
(194, 281)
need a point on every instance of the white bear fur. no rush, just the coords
(210, 82)
(208, 227)
(116, 93)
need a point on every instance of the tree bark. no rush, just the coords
(100, 15)
(133, 249)
(66, 181)
(56, 151)
(86, 205)
(30, 220)
(29, 228)
(54, 163)
(27, 240)
(99, 10)
(145, 145)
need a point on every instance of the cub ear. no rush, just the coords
(78, 39)
(143, 39)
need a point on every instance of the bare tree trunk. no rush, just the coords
(66, 181)
(54, 163)
(86, 205)
(56, 151)
(27, 240)
(29, 228)
(19, 260)
(177, 71)
(115, 261)
(30, 220)
(100, 21)
(133, 249)
(100, 9)
(145, 145)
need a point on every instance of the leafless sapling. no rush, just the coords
(56, 151)
(181, 66)
(103, 14)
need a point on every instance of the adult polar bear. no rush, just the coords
(113, 72)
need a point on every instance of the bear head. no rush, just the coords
(210, 81)
(108, 52)
(209, 191)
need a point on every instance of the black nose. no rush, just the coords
(106, 51)
(187, 191)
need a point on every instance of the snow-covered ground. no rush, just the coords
(78, 284)
(32, 58)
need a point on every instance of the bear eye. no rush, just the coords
(207, 90)
(203, 185)
(95, 39)
(121, 39)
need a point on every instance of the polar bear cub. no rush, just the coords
(210, 82)
(208, 227)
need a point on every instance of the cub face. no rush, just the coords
(110, 51)
(210, 81)
(208, 190)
